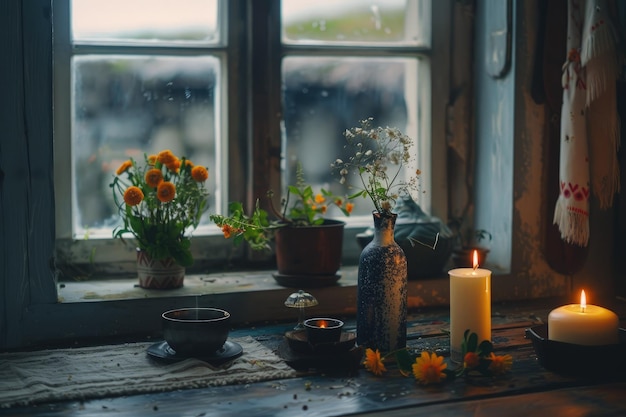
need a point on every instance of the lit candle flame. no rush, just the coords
(475, 262)
(322, 324)
(583, 301)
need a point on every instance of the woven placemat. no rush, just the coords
(28, 378)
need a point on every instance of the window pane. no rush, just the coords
(127, 106)
(145, 21)
(322, 97)
(398, 22)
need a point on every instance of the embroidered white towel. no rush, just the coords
(589, 123)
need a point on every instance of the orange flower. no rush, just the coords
(174, 166)
(133, 195)
(152, 160)
(124, 167)
(227, 230)
(428, 369)
(188, 163)
(349, 207)
(319, 199)
(166, 157)
(500, 363)
(471, 360)
(199, 173)
(373, 362)
(338, 202)
(166, 191)
(323, 209)
(153, 177)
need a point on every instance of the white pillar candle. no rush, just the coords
(583, 324)
(470, 306)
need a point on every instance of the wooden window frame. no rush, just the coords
(34, 314)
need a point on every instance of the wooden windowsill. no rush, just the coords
(237, 290)
(89, 311)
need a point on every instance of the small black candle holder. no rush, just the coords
(323, 330)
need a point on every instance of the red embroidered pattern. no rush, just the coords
(578, 210)
(575, 191)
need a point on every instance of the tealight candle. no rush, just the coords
(470, 305)
(583, 324)
(323, 330)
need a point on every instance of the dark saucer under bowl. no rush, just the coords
(578, 360)
(229, 351)
(298, 342)
(305, 281)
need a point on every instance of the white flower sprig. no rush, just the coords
(373, 151)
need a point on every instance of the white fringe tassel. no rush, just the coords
(574, 227)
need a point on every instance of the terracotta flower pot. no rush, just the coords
(309, 256)
(158, 273)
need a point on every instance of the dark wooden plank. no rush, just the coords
(333, 396)
(37, 39)
(603, 400)
(26, 164)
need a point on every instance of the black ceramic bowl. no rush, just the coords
(578, 360)
(195, 331)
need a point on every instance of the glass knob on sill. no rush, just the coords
(300, 300)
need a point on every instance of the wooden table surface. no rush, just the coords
(334, 388)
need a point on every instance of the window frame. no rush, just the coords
(254, 149)
(37, 307)
(93, 257)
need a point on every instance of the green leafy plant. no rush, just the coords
(301, 207)
(480, 234)
(467, 236)
(161, 202)
(378, 156)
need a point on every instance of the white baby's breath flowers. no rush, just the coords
(374, 151)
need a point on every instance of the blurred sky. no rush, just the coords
(98, 16)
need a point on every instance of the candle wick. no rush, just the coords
(475, 267)
(582, 308)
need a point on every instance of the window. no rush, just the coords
(343, 62)
(138, 77)
(250, 101)
(32, 311)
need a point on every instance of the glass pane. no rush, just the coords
(127, 106)
(398, 22)
(322, 97)
(145, 21)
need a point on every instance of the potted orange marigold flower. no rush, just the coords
(160, 203)
(308, 245)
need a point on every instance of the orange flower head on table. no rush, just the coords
(500, 364)
(428, 368)
(373, 362)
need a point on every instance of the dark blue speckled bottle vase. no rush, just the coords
(382, 290)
